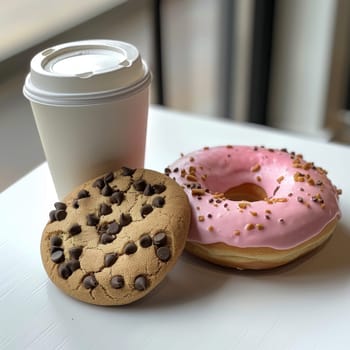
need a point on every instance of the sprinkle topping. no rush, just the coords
(255, 168)
(249, 227)
(286, 181)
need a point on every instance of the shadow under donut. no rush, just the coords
(329, 263)
(193, 279)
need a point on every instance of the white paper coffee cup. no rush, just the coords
(90, 101)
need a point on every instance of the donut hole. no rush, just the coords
(246, 192)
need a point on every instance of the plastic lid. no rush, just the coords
(85, 72)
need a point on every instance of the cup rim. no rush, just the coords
(120, 73)
(40, 96)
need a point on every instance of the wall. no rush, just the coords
(20, 147)
(300, 65)
(192, 71)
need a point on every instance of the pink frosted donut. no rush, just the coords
(254, 207)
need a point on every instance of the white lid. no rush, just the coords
(85, 72)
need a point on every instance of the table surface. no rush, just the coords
(304, 305)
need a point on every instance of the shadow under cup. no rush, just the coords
(92, 118)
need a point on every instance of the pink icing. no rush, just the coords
(293, 212)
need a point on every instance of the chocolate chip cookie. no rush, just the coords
(113, 239)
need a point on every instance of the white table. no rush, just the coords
(305, 305)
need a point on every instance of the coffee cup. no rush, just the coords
(90, 102)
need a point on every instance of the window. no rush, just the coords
(25, 23)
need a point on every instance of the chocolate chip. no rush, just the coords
(140, 283)
(127, 171)
(159, 188)
(117, 282)
(140, 185)
(145, 241)
(130, 248)
(102, 228)
(90, 282)
(105, 209)
(60, 214)
(300, 199)
(159, 239)
(56, 241)
(117, 197)
(146, 209)
(113, 228)
(54, 249)
(57, 256)
(107, 190)
(107, 238)
(52, 215)
(99, 183)
(158, 202)
(64, 271)
(125, 219)
(75, 252)
(148, 191)
(110, 259)
(60, 206)
(75, 229)
(163, 253)
(92, 220)
(83, 194)
(75, 204)
(108, 178)
(73, 265)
